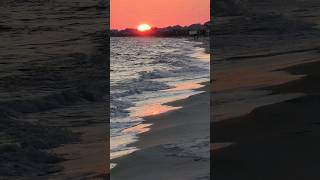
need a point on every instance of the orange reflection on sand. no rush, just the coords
(186, 86)
(141, 128)
(159, 106)
(154, 109)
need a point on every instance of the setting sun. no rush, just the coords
(144, 27)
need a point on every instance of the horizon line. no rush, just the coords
(161, 27)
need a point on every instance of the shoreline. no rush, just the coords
(163, 144)
(177, 86)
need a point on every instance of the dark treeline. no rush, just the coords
(171, 31)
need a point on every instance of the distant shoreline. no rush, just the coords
(171, 31)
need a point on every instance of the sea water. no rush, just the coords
(146, 73)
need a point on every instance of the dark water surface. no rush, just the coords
(53, 57)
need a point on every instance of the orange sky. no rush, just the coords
(157, 13)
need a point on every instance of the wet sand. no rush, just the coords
(177, 144)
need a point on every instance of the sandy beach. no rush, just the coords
(178, 143)
(265, 92)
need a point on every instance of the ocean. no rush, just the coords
(145, 74)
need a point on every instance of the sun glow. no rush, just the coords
(144, 27)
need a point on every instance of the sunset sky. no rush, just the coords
(158, 13)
